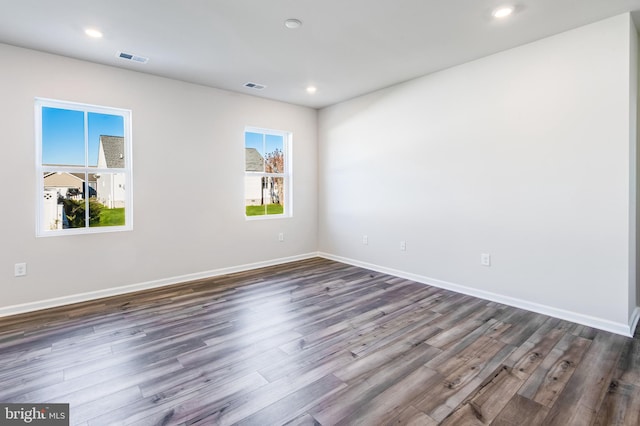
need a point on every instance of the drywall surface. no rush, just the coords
(523, 155)
(188, 181)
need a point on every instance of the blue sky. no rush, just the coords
(271, 143)
(63, 135)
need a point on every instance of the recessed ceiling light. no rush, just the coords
(502, 12)
(312, 89)
(293, 23)
(91, 32)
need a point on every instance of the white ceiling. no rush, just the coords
(345, 47)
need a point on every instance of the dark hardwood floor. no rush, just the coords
(316, 342)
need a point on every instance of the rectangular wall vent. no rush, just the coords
(132, 57)
(254, 86)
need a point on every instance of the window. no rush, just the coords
(267, 177)
(83, 162)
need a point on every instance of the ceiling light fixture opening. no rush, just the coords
(292, 24)
(312, 89)
(503, 12)
(93, 33)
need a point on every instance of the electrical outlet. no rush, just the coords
(20, 269)
(403, 245)
(365, 240)
(281, 237)
(485, 259)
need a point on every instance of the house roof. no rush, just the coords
(253, 161)
(79, 176)
(113, 147)
(92, 177)
(63, 178)
(66, 179)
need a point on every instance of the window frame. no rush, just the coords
(41, 169)
(287, 174)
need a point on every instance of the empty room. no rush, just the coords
(301, 212)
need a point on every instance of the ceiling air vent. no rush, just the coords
(132, 57)
(254, 86)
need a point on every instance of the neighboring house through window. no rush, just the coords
(83, 168)
(111, 190)
(267, 181)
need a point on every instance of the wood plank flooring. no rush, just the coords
(316, 342)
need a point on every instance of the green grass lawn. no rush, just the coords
(259, 210)
(111, 217)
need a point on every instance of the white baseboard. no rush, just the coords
(633, 321)
(599, 323)
(116, 291)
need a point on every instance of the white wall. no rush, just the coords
(633, 167)
(187, 141)
(524, 155)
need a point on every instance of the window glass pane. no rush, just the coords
(254, 152)
(52, 215)
(106, 140)
(110, 189)
(107, 207)
(254, 195)
(63, 205)
(62, 137)
(274, 157)
(274, 195)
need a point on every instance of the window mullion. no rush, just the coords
(264, 151)
(86, 174)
